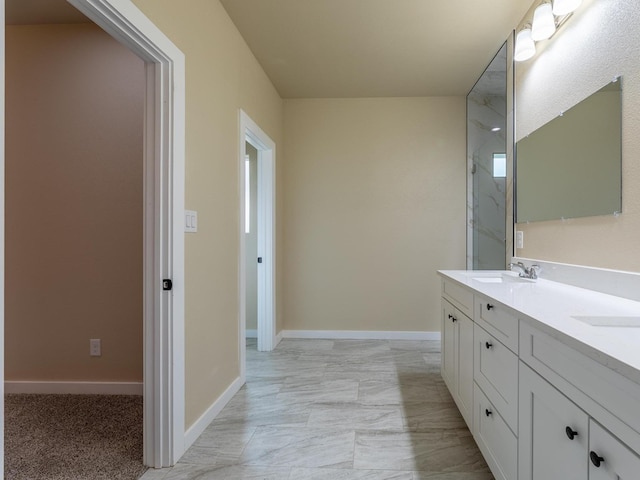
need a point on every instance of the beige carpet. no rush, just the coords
(74, 437)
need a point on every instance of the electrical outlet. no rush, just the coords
(95, 349)
(519, 239)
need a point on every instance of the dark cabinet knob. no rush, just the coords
(488, 345)
(450, 316)
(488, 412)
(571, 433)
(454, 319)
(595, 459)
(489, 306)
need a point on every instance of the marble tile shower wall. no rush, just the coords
(486, 199)
(337, 410)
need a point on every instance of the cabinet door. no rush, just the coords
(553, 436)
(449, 353)
(465, 369)
(609, 458)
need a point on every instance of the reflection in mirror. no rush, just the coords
(486, 155)
(571, 166)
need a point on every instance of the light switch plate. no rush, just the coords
(519, 239)
(190, 221)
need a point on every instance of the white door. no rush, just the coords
(553, 433)
(465, 368)
(449, 353)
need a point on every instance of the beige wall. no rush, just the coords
(375, 203)
(74, 126)
(222, 76)
(600, 41)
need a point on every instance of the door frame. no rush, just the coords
(250, 132)
(163, 229)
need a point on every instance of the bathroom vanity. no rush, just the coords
(545, 374)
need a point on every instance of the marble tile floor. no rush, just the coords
(337, 410)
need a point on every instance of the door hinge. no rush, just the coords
(259, 259)
(167, 284)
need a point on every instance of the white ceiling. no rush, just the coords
(353, 48)
(374, 48)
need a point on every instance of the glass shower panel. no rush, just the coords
(486, 156)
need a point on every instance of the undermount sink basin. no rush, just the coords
(609, 321)
(502, 278)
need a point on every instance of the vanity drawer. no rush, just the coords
(495, 370)
(498, 444)
(603, 393)
(461, 297)
(496, 319)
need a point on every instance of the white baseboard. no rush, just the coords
(360, 335)
(279, 338)
(251, 334)
(195, 430)
(74, 388)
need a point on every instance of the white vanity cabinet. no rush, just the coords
(457, 351)
(559, 440)
(599, 396)
(544, 397)
(469, 352)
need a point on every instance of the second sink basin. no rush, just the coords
(609, 321)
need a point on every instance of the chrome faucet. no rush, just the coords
(526, 272)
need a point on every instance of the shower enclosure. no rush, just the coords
(487, 161)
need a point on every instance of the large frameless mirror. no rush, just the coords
(572, 166)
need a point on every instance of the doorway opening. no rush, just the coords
(257, 247)
(163, 229)
(73, 244)
(251, 241)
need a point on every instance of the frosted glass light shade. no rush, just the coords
(544, 23)
(525, 46)
(564, 7)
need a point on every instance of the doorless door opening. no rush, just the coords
(76, 194)
(164, 432)
(266, 329)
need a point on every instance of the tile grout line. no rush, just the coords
(351, 365)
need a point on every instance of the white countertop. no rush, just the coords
(550, 306)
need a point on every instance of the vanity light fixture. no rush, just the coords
(547, 18)
(565, 7)
(525, 46)
(544, 23)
